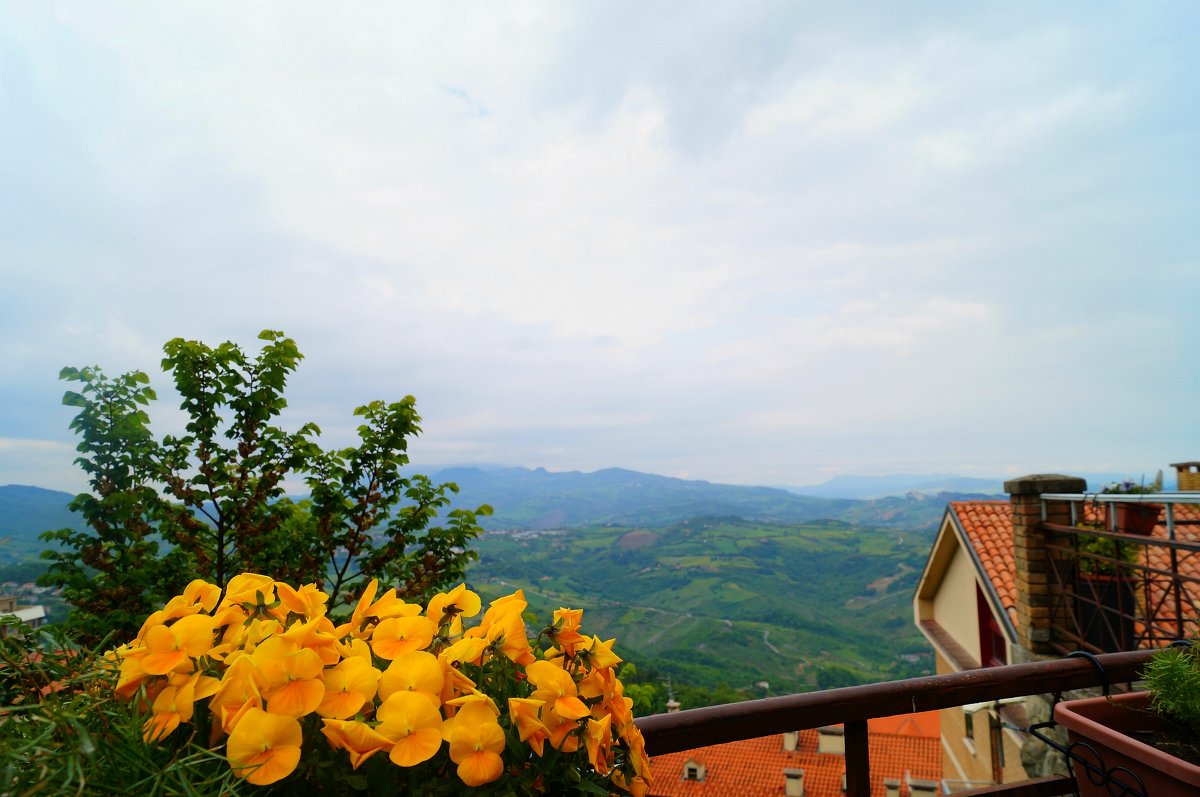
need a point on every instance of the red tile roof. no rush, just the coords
(988, 526)
(754, 768)
(1158, 589)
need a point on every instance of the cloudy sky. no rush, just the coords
(749, 242)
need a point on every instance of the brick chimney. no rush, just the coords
(1029, 551)
(793, 782)
(831, 739)
(919, 787)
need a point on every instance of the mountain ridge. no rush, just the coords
(537, 498)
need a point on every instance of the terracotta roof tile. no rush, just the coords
(988, 526)
(754, 768)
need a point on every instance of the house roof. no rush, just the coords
(987, 525)
(982, 531)
(754, 767)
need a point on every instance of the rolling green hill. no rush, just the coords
(25, 512)
(726, 601)
(703, 583)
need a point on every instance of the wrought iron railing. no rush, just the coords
(1114, 590)
(853, 706)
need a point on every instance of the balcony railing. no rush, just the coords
(853, 706)
(1113, 590)
(1110, 591)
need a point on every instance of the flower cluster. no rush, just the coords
(1129, 486)
(264, 671)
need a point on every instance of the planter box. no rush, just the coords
(1137, 518)
(1096, 729)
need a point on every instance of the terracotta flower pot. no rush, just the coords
(1097, 733)
(1137, 518)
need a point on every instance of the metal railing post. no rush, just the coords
(858, 760)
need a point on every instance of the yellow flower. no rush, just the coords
(413, 724)
(132, 675)
(355, 648)
(358, 739)
(524, 714)
(198, 596)
(556, 689)
(598, 740)
(292, 682)
(348, 687)
(415, 671)
(249, 588)
(562, 730)
(397, 635)
(637, 754)
(239, 690)
(175, 704)
(638, 786)
(456, 685)
(476, 741)
(169, 647)
(308, 601)
(280, 658)
(466, 650)
(368, 611)
(565, 633)
(448, 608)
(506, 633)
(264, 748)
(600, 654)
(317, 635)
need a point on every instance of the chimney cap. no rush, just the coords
(1039, 483)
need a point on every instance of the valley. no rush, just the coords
(727, 591)
(721, 601)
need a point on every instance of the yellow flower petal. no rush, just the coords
(264, 748)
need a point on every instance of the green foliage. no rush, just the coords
(210, 503)
(1173, 676)
(832, 676)
(1097, 548)
(112, 573)
(63, 732)
(715, 601)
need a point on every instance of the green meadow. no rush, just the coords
(723, 602)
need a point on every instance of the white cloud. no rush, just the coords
(611, 235)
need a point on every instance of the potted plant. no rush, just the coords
(1143, 742)
(1106, 591)
(1135, 517)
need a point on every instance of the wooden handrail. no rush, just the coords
(854, 705)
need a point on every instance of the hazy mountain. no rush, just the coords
(898, 484)
(25, 512)
(542, 499)
(28, 511)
